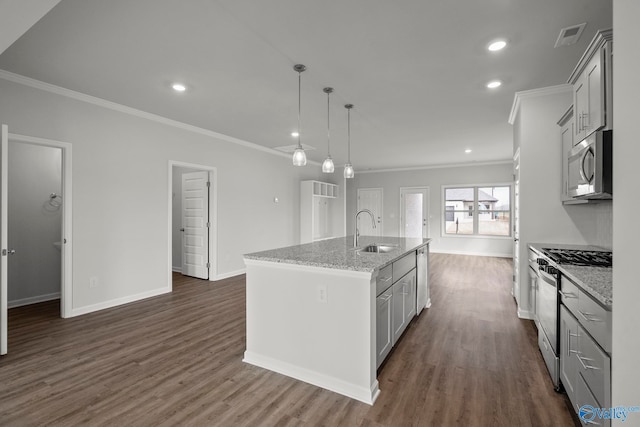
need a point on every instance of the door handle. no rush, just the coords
(182, 229)
(6, 252)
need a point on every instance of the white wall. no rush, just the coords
(543, 217)
(626, 233)
(34, 223)
(121, 199)
(434, 178)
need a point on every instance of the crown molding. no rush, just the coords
(78, 96)
(533, 93)
(442, 166)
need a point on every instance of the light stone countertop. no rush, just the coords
(340, 254)
(595, 281)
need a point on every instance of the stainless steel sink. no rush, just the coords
(379, 248)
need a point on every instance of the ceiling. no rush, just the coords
(415, 70)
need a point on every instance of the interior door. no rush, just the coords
(195, 224)
(370, 198)
(516, 227)
(414, 212)
(4, 149)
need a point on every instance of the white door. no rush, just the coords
(195, 224)
(370, 198)
(414, 212)
(516, 227)
(4, 149)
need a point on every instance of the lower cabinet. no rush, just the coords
(395, 307)
(585, 367)
(569, 349)
(384, 334)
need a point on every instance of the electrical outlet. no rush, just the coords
(93, 282)
(322, 294)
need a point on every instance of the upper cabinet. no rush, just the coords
(592, 88)
(567, 127)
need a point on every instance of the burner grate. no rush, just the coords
(580, 257)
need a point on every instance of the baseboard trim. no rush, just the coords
(33, 300)
(118, 301)
(485, 254)
(230, 274)
(353, 391)
(525, 314)
(176, 269)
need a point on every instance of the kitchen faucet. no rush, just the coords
(356, 232)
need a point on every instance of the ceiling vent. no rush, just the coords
(570, 35)
(291, 148)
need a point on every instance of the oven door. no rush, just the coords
(547, 307)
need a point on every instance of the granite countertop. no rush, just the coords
(595, 281)
(340, 254)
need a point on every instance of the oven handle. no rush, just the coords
(550, 279)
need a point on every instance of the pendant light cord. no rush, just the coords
(348, 135)
(299, 105)
(328, 126)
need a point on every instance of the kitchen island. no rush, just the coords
(311, 309)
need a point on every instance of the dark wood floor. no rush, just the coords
(176, 360)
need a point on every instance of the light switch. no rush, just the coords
(322, 294)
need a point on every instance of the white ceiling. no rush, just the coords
(414, 69)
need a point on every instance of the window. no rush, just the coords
(484, 211)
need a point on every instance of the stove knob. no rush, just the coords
(551, 270)
(542, 261)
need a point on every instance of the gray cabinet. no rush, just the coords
(569, 350)
(395, 303)
(404, 303)
(592, 87)
(585, 348)
(384, 333)
(566, 124)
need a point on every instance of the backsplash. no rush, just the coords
(594, 222)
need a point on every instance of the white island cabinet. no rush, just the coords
(311, 311)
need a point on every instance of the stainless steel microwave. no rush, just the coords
(589, 167)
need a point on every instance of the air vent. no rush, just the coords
(570, 35)
(291, 148)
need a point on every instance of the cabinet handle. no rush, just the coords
(589, 317)
(404, 289)
(385, 279)
(388, 297)
(586, 120)
(584, 365)
(569, 335)
(567, 294)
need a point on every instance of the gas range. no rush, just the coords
(579, 257)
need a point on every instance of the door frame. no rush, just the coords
(426, 203)
(66, 288)
(213, 212)
(380, 224)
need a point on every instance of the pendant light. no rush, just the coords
(299, 156)
(327, 165)
(348, 168)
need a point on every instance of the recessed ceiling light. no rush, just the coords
(468, 150)
(497, 45)
(179, 87)
(494, 84)
(294, 134)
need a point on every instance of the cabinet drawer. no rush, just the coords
(569, 294)
(595, 319)
(585, 397)
(384, 280)
(595, 367)
(403, 266)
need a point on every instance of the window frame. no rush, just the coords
(475, 209)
